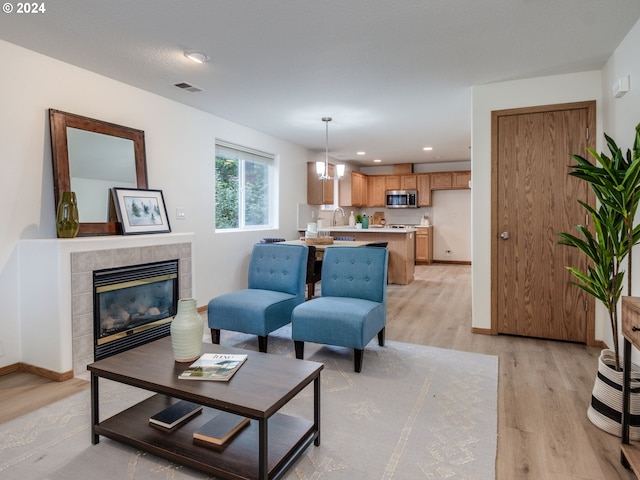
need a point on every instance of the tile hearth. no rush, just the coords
(83, 264)
(56, 292)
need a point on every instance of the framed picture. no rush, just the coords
(141, 211)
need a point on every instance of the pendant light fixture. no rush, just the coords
(322, 168)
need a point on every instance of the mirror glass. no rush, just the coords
(89, 158)
(98, 162)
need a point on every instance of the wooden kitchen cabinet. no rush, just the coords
(319, 192)
(441, 180)
(393, 182)
(450, 180)
(424, 245)
(409, 182)
(402, 168)
(402, 182)
(358, 189)
(424, 189)
(461, 179)
(376, 190)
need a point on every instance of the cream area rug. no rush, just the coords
(414, 412)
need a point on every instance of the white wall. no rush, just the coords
(451, 220)
(180, 161)
(620, 116)
(498, 96)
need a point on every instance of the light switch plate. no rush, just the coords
(181, 214)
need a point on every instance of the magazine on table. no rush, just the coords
(214, 366)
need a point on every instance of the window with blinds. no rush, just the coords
(245, 193)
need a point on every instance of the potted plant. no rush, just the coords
(358, 221)
(615, 180)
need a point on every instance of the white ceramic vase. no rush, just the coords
(187, 329)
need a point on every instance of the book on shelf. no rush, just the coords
(214, 366)
(220, 429)
(175, 415)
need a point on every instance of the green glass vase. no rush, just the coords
(67, 221)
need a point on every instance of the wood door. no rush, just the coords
(533, 199)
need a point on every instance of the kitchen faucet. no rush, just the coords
(339, 209)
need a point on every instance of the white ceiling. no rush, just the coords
(395, 75)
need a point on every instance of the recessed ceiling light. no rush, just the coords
(361, 153)
(427, 149)
(197, 57)
(377, 160)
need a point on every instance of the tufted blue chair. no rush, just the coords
(277, 280)
(353, 305)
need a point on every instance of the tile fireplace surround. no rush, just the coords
(57, 291)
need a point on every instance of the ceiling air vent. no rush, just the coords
(188, 87)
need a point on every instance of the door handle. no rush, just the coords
(505, 235)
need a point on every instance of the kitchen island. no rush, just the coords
(400, 243)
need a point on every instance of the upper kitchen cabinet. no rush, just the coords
(319, 192)
(461, 179)
(376, 190)
(408, 182)
(450, 180)
(393, 182)
(441, 181)
(358, 189)
(353, 190)
(402, 168)
(424, 189)
(402, 182)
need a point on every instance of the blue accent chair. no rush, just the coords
(353, 306)
(277, 281)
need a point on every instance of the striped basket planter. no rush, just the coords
(605, 411)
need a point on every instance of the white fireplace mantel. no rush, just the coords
(52, 296)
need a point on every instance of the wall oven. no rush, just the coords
(402, 199)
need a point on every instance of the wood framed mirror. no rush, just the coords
(90, 157)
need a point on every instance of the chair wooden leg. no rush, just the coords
(311, 290)
(215, 336)
(262, 343)
(357, 359)
(381, 337)
(299, 346)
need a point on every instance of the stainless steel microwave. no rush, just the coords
(402, 198)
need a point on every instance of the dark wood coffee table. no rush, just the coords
(258, 390)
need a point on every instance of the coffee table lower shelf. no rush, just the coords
(288, 436)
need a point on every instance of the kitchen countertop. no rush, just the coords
(371, 229)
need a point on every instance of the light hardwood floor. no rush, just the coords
(544, 387)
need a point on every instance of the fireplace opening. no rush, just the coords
(133, 305)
